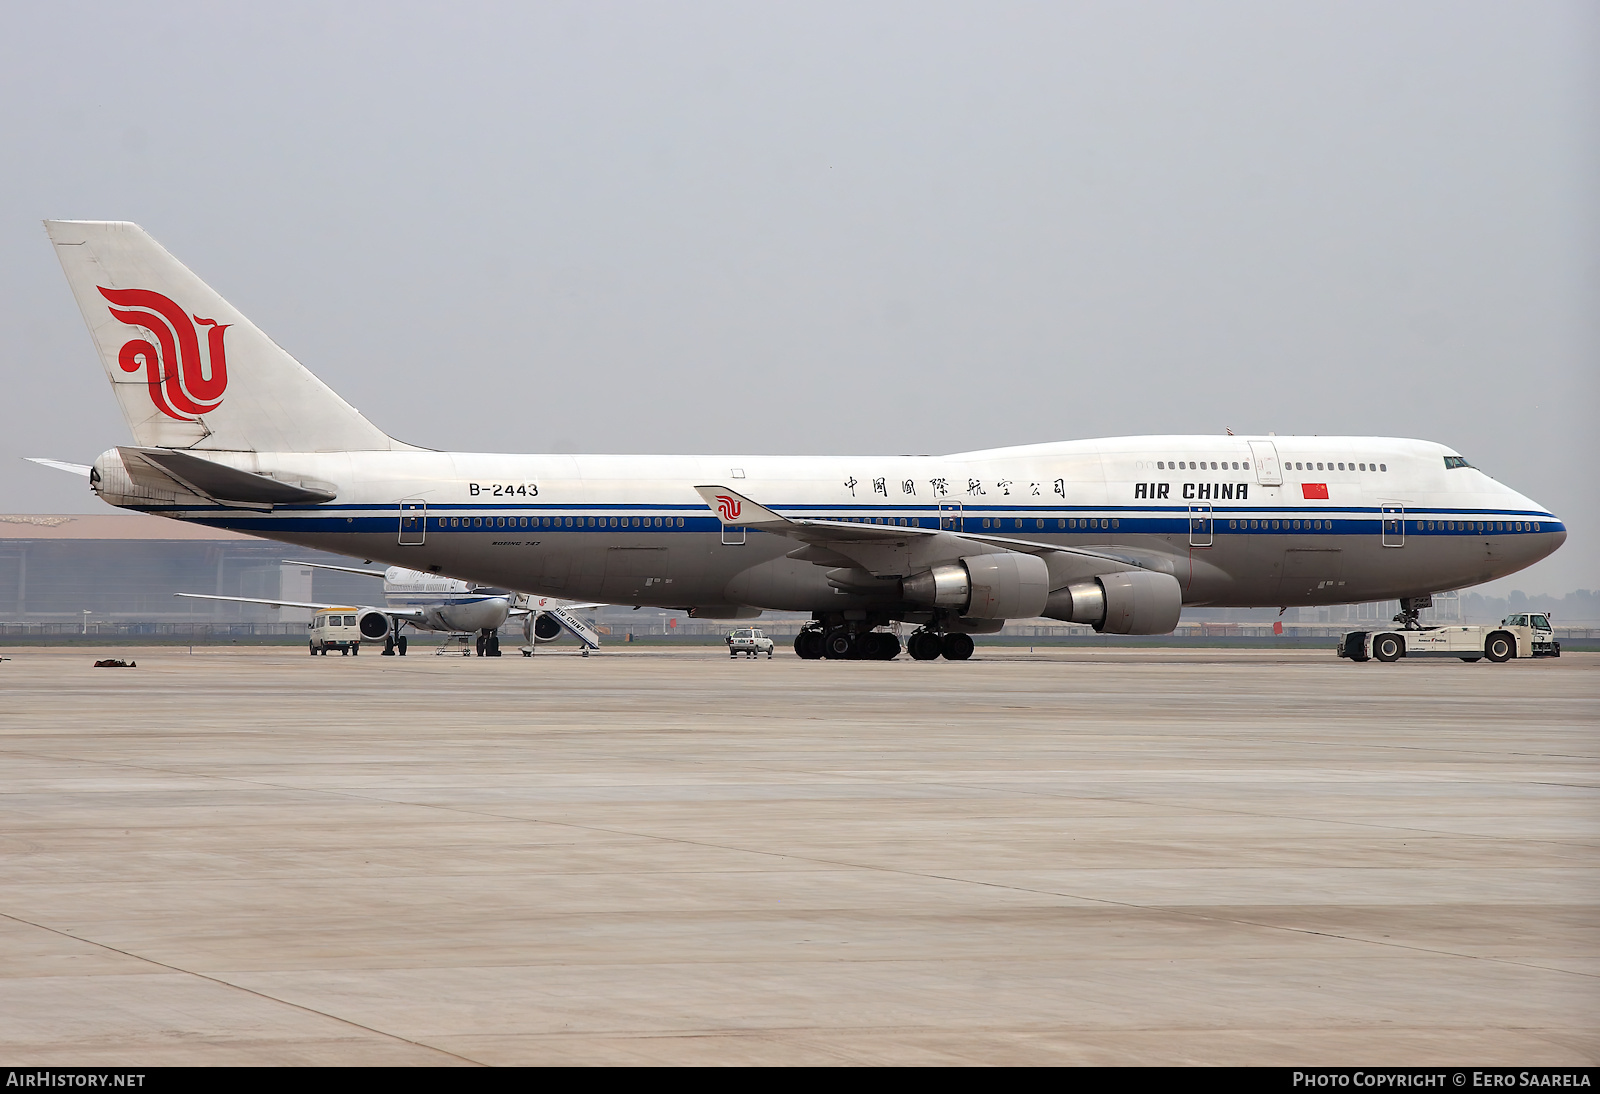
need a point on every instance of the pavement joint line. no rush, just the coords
(791, 856)
(1216, 810)
(239, 988)
(1155, 910)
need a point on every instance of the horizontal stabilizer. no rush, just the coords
(61, 465)
(219, 482)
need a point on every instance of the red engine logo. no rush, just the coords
(181, 384)
(728, 507)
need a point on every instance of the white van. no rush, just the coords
(335, 629)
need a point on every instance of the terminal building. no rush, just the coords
(72, 571)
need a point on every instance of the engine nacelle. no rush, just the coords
(374, 624)
(542, 627)
(1133, 602)
(998, 586)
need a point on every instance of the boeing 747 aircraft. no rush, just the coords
(229, 430)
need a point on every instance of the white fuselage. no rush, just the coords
(1248, 521)
(445, 603)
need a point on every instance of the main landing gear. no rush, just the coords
(395, 642)
(926, 645)
(842, 642)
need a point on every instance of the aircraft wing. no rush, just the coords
(892, 549)
(330, 566)
(409, 617)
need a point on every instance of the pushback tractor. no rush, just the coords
(1523, 635)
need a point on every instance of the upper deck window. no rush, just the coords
(1455, 461)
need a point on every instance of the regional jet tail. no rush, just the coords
(1117, 533)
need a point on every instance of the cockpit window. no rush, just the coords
(1541, 623)
(1455, 461)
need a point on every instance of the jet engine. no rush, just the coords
(374, 624)
(998, 586)
(540, 627)
(1135, 602)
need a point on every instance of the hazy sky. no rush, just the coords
(853, 227)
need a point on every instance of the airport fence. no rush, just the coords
(670, 629)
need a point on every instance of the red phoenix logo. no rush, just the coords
(181, 384)
(728, 507)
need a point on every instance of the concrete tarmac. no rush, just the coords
(249, 856)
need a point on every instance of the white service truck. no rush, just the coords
(750, 642)
(1528, 634)
(335, 629)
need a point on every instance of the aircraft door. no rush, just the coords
(1394, 526)
(1268, 471)
(1200, 524)
(950, 517)
(413, 522)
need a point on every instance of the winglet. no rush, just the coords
(735, 509)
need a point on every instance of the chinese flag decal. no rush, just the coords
(1314, 491)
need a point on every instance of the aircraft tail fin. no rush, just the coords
(189, 370)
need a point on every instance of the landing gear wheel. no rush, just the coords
(494, 646)
(479, 645)
(839, 644)
(924, 646)
(808, 645)
(388, 646)
(956, 646)
(871, 646)
(1500, 647)
(889, 647)
(400, 645)
(1388, 647)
